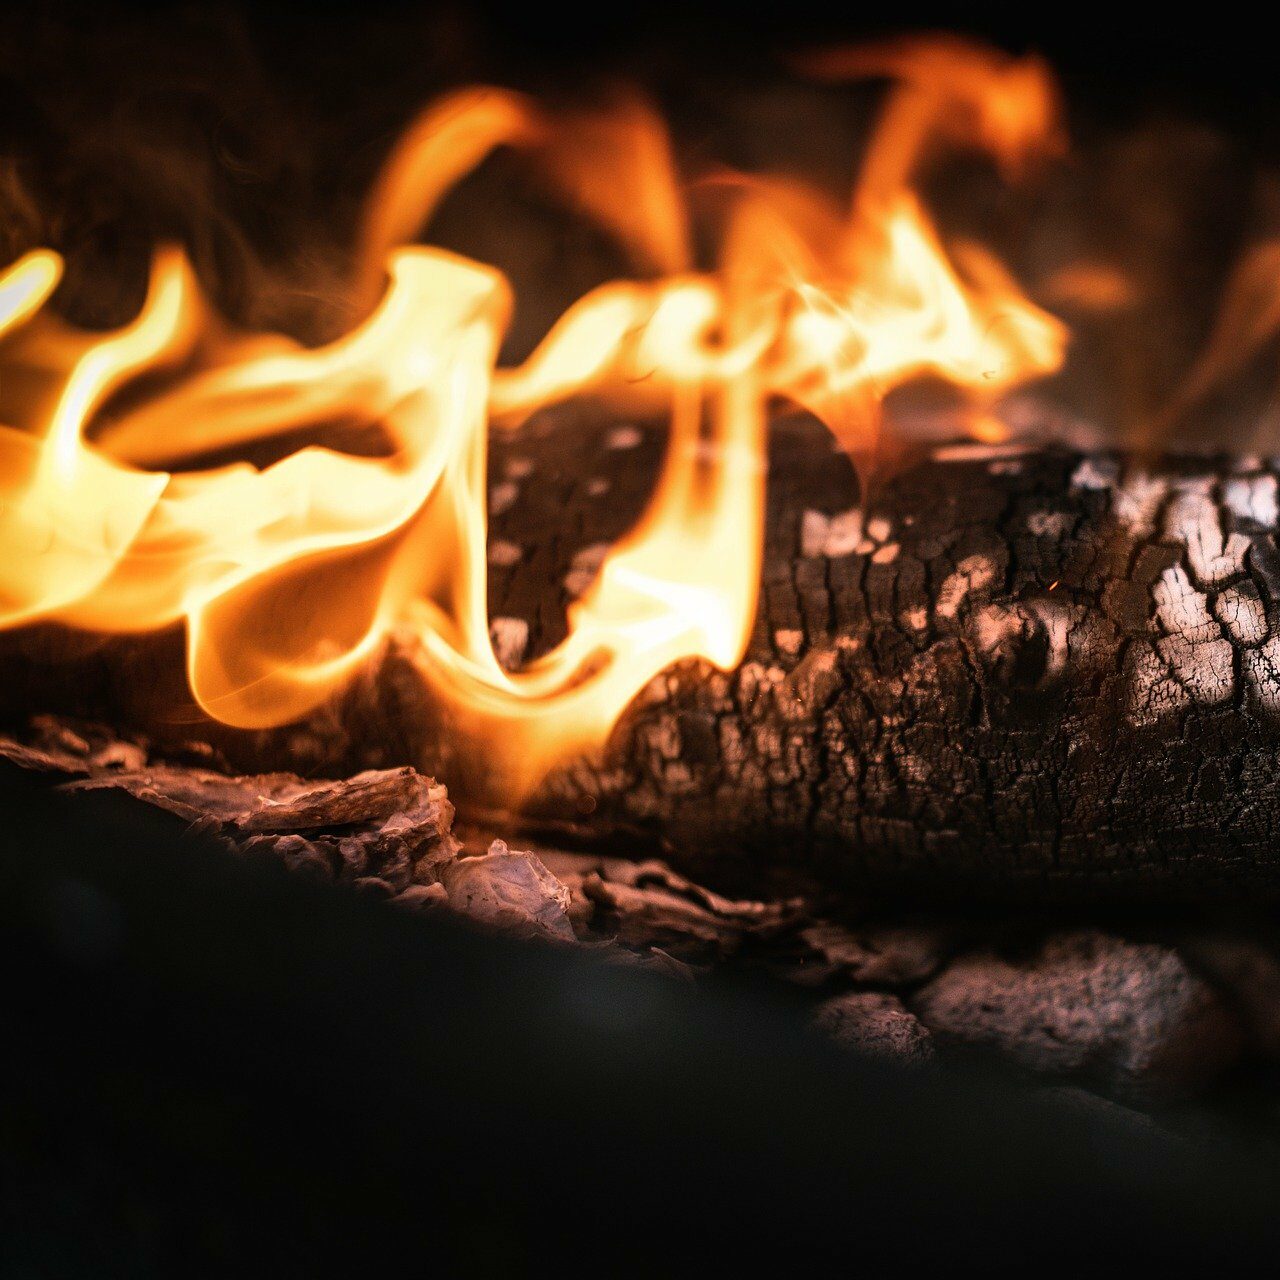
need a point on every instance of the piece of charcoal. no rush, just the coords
(1130, 1015)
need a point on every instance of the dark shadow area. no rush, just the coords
(213, 1068)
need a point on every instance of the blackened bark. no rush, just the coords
(1025, 673)
(1029, 672)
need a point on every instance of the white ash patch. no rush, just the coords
(510, 639)
(993, 625)
(1050, 524)
(1253, 498)
(878, 529)
(973, 573)
(788, 640)
(814, 680)
(1153, 692)
(1059, 620)
(598, 487)
(1181, 609)
(1136, 502)
(915, 619)
(1193, 660)
(662, 736)
(586, 564)
(1193, 520)
(1204, 668)
(625, 437)
(1241, 612)
(502, 497)
(504, 554)
(1197, 655)
(831, 536)
(1262, 674)
(886, 554)
(656, 691)
(756, 681)
(1096, 473)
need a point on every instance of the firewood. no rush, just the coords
(390, 831)
(1019, 672)
(1129, 1016)
(392, 826)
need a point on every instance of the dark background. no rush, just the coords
(1218, 59)
(252, 133)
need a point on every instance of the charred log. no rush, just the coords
(1023, 672)
(1029, 671)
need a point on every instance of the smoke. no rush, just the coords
(252, 141)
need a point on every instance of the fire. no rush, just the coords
(289, 575)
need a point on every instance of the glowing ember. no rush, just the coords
(289, 575)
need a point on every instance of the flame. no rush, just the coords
(289, 574)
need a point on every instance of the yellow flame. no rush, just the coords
(287, 575)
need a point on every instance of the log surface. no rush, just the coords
(1025, 671)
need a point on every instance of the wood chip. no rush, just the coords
(892, 955)
(513, 892)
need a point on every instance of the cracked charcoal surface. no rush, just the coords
(1020, 674)
(1037, 672)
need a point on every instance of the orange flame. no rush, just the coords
(288, 575)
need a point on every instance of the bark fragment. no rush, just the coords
(878, 953)
(1129, 1016)
(512, 892)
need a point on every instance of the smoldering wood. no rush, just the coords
(1026, 672)
(386, 828)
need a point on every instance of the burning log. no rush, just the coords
(1027, 672)
(1021, 672)
(1013, 672)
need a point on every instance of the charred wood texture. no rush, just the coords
(1030, 671)
(1021, 672)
